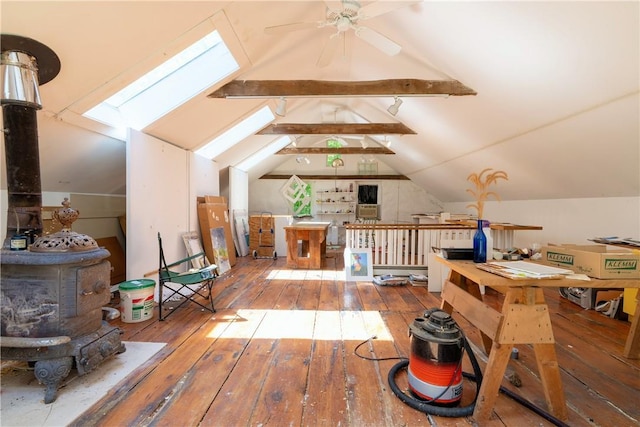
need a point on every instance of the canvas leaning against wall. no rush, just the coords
(358, 265)
(220, 252)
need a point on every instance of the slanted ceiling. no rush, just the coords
(557, 104)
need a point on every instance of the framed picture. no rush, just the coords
(357, 265)
(193, 245)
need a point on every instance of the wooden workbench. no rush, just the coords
(314, 244)
(524, 319)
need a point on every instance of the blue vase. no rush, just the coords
(479, 244)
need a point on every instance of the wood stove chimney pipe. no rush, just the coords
(25, 64)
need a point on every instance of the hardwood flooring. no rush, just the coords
(279, 351)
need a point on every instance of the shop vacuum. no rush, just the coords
(434, 370)
(434, 367)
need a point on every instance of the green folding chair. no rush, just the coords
(185, 286)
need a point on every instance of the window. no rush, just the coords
(167, 86)
(240, 131)
(263, 153)
(367, 194)
(303, 207)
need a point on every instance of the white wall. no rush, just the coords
(399, 198)
(238, 190)
(204, 180)
(564, 220)
(162, 185)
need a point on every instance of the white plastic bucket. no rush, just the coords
(136, 300)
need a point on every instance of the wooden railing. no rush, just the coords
(406, 245)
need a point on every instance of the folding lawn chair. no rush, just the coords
(185, 286)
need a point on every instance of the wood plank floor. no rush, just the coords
(280, 351)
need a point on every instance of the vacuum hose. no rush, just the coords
(428, 408)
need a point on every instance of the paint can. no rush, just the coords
(136, 300)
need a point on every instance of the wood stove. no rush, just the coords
(53, 291)
(51, 313)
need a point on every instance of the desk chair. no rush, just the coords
(186, 286)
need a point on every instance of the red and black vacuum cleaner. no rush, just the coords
(434, 370)
(435, 363)
(434, 367)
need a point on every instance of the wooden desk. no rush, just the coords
(314, 244)
(524, 319)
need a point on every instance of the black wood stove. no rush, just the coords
(53, 291)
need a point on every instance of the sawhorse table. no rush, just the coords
(524, 319)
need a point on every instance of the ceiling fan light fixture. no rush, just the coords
(393, 109)
(281, 107)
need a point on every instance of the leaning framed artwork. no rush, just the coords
(193, 245)
(357, 265)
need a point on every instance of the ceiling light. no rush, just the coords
(281, 108)
(337, 163)
(393, 109)
(303, 159)
(363, 143)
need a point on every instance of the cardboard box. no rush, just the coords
(215, 200)
(596, 261)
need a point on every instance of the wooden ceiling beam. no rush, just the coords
(329, 150)
(336, 129)
(324, 88)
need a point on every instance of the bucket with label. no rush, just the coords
(136, 300)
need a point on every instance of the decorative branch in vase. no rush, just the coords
(482, 183)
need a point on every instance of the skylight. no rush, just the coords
(263, 153)
(240, 131)
(164, 88)
(333, 143)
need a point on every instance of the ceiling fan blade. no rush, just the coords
(329, 50)
(333, 5)
(379, 41)
(287, 28)
(381, 7)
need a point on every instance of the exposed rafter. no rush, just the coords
(336, 129)
(322, 88)
(330, 150)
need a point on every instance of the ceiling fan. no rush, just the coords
(347, 16)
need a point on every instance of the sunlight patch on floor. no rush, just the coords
(331, 325)
(299, 274)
